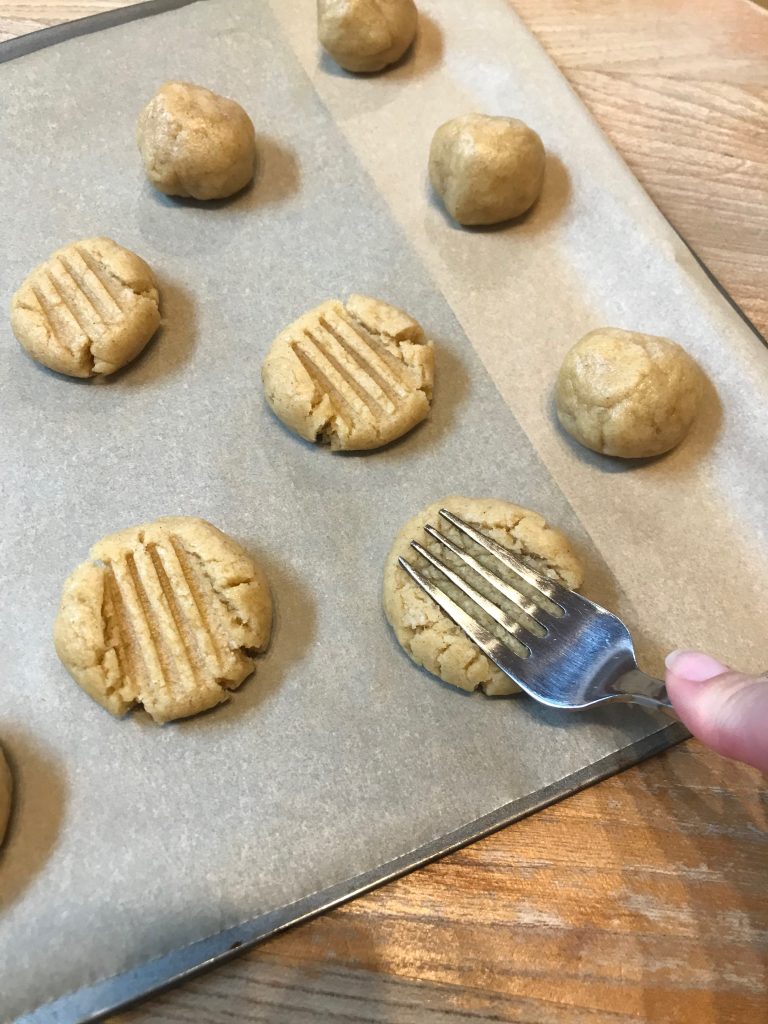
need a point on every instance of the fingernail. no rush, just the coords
(671, 658)
(694, 665)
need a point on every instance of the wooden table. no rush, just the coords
(645, 897)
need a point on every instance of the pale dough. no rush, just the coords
(6, 795)
(169, 615)
(196, 143)
(486, 169)
(366, 35)
(424, 631)
(628, 394)
(355, 375)
(88, 310)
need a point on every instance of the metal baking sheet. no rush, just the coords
(138, 855)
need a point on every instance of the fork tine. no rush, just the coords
(554, 592)
(491, 646)
(506, 622)
(515, 596)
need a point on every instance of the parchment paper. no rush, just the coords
(339, 756)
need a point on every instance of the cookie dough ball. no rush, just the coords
(366, 35)
(486, 169)
(423, 629)
(6, 793)
(628, 394)
(169, 615)
(196, 143)
(88, 310)
(355, 375)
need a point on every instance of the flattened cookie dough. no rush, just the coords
(196, 143)
(424, 631)
(6, 795)
(88, 310)
(628, 394)
(169, 615)
(355, 375)
(366, 35)
(486, 169)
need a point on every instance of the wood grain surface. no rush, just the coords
(645, 897)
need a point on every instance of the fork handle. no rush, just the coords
(645, 690)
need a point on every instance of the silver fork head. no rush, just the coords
(573, 652)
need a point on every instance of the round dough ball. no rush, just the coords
(628, 394)
(423, 629)
(6, 795)
(354, 376)
(169, 615)
(196, 143)
(88, 310)
(486, 169)
(366, 35)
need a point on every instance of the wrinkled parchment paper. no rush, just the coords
(339, 755)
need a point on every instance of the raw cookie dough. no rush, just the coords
(355, 375)
(170, 615)
(486, 169)
(424, 631)
(88, 310)
(627, 394)
(195, 142)
(6, 793)
(366, 35)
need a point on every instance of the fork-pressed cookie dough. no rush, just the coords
(424, 631)
(354, 375)
(89, 309)
(169, 615)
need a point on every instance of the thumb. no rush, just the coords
(726, 710)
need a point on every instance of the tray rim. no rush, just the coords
(121, 991)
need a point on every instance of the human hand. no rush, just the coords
(726, 710)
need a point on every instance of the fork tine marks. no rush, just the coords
(530, 608)
(512, 626)
(492, 648)
(545, 586)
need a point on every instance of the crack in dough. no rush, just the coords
(6, 795)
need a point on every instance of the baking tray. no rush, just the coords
(139, 856)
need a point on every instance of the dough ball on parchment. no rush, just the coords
(88, 310)
(486, 169)
(366, 35)
(169, 615)
(196, 143)
(423, 629)
(354, 375)
(628, 394)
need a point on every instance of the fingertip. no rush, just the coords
(694, 666)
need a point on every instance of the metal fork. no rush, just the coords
(585, 655)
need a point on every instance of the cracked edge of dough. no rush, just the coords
(455, 658)
(80, 629)
(6, 795)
